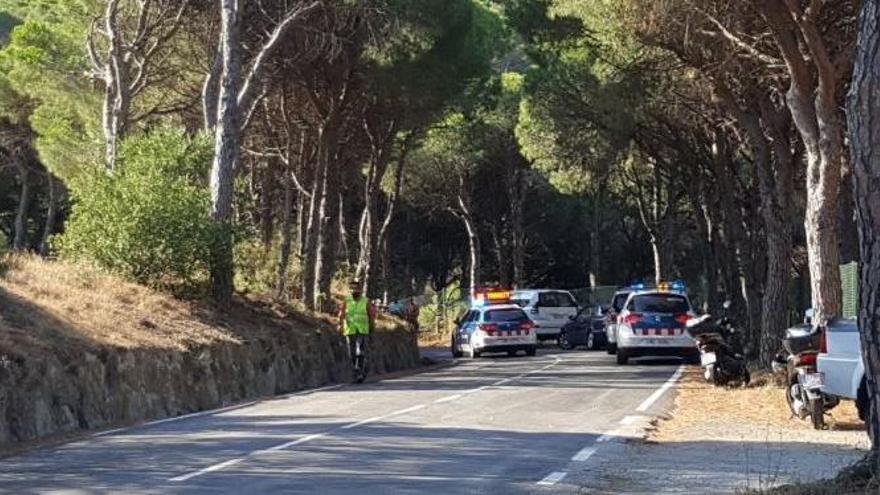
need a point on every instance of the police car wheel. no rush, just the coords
(531, 351)
(472, 354)
(456, 351)
(622, 357)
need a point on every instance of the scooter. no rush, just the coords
(720, 358)
(803, 381)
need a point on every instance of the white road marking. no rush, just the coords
(660, 391)
(628, 420)
(215, 467)
(214, 411)
(607, 437)
(175, 418)
(307, 438)
(584, 454)
(553, 478)
(448, 399)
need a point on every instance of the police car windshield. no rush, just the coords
(505, 315)
(556, 300)
(660, 303)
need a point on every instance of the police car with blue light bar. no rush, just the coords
(493, 324)
(652, 323)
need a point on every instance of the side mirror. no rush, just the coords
(534, 310)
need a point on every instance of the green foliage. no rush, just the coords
(443, 308)
(148, 221)
(44, 63)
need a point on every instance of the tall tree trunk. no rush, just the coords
(19, 241)
(328, 254)
(812, 98)
(267, 218)
(286, 240)
(864, 135)
(517, 191)
(473, 246)
(657, 250)
(226, 152)
(51, 213)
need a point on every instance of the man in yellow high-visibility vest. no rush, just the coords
(357, 317)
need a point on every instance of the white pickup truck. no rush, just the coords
(841, 363)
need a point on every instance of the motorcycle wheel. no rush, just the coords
(817, 414)
(793, 397)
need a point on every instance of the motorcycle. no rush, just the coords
(803, 381)
(720, 357)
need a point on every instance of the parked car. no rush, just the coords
(587, 329)
(652, 323)
(493, 324)
(614, 309)
(549, 309)
(841, 366)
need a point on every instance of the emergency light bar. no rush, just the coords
(676, 286)
(493, 296)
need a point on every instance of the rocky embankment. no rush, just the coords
(61, 393)
(81, 351)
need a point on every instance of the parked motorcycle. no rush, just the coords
(720, 354)
(803, 381)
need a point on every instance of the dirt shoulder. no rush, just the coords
(718, 440)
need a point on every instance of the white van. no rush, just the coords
(549, 309)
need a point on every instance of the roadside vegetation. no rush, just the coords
(273, 149)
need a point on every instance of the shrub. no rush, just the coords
(149, 219)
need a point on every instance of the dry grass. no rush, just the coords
(701, 407)
(58, 305)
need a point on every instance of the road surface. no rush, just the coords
(494, 425)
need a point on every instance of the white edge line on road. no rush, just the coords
(308, 438)
(660, 391)
(553, 478)
(215, 467)
(584, 454)
(214, 411)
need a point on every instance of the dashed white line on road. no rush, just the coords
(607, 437)
(584, 454)
(553, 478)
(660, 391)
(308, 438)
(215, 467)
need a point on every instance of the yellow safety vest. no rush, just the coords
(357, 317)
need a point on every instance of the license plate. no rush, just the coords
(812, 381)
(708, 358)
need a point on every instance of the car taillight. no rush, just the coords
(823, 341)
(488, 328)
(632, 318)
(682, 318)
(808, 359)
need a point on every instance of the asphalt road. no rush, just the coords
(494, 425)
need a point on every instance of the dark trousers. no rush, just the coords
(355, 342)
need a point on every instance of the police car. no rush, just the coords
(652, 323)
(494, 324)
